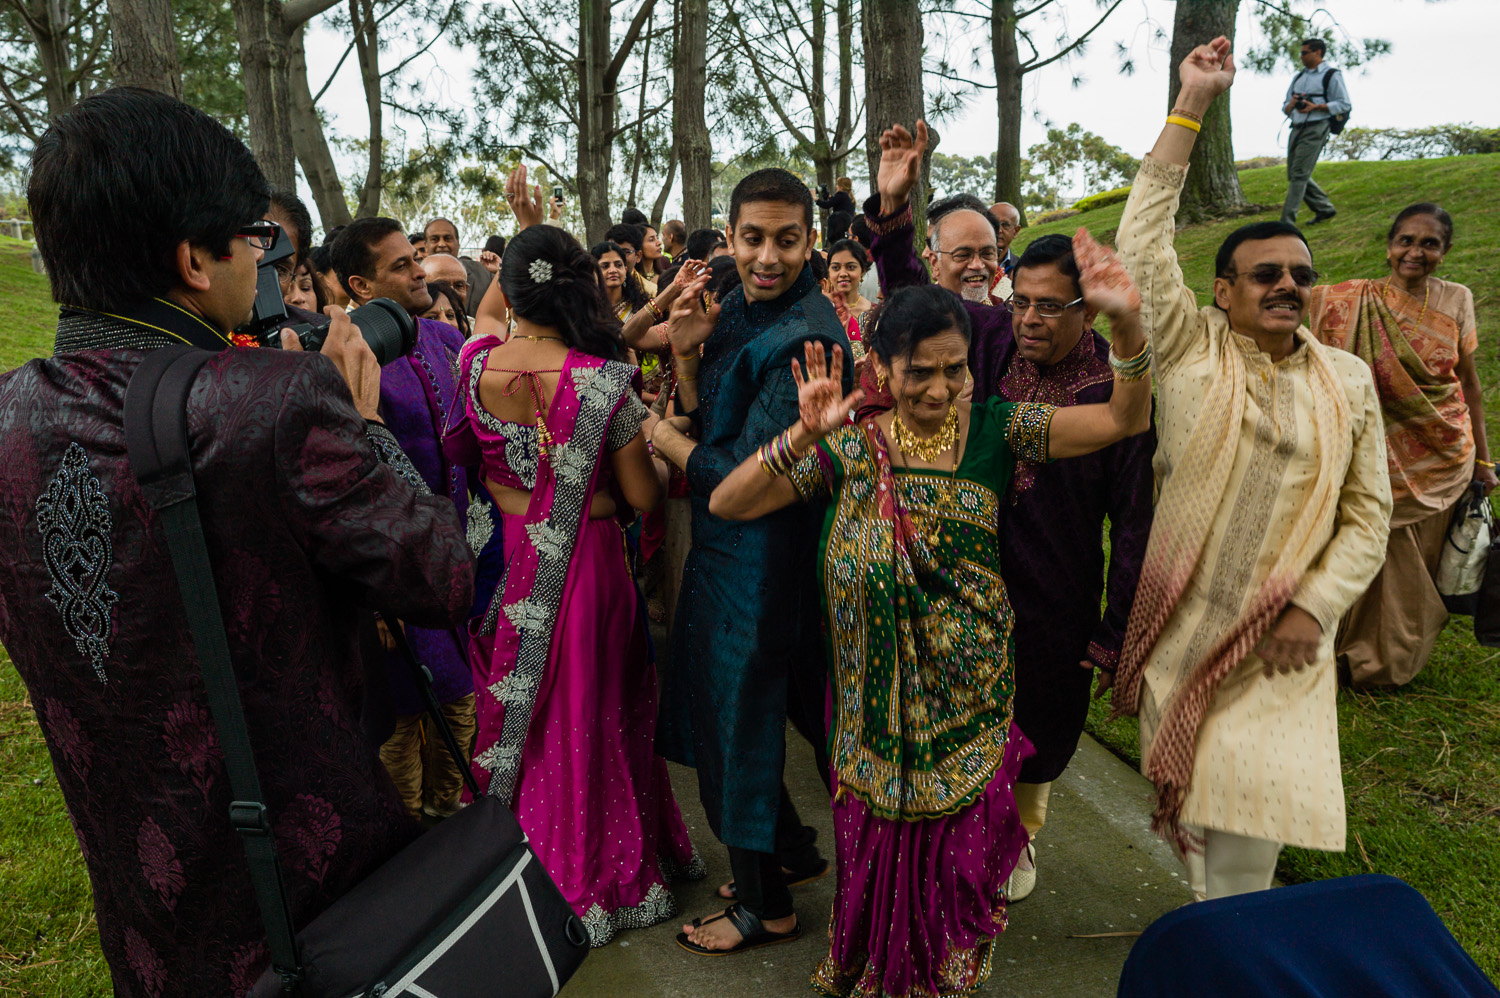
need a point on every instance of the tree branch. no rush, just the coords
(1028, 67)
(295, 12)
(960, 79)
(619, 130)
(765, 86)
(612, 71)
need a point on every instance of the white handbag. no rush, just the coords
(1465, 551)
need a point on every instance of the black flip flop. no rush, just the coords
(753, 933)
(802, 878)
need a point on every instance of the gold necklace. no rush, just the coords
(930, 522)
(1425, 299)
(520, 336)
(927, 449)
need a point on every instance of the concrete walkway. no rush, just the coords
(1100, 870)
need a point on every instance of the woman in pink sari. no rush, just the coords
(565, 687)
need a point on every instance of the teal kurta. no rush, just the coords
(748, 618)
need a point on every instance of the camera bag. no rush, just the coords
(465, 910)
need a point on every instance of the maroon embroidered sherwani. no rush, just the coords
(304, 523)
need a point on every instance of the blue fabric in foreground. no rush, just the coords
(1369, 936)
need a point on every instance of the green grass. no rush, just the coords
(1421, 764)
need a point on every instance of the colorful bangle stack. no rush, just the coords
(1187, 119)
(777, 457)
(655, 310)
(1133, 369)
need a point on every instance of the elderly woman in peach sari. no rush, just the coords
(1417, 332)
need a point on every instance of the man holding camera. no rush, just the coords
(308, 516)
(1316, 101)
(373, 259)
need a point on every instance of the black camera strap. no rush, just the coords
(157, 445)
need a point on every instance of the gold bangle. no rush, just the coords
(1189, 123)
(1180, 112)
(683, 377)
(1483, 463)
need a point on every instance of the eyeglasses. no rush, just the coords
(1268, 274)
(1046, 309)
(262, 234)
(964, 254)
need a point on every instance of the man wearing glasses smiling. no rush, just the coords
(1272, 515)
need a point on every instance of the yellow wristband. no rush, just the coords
(1483, 463)
(1175, 119)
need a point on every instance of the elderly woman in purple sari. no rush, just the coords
(564, 682)
(924, 749)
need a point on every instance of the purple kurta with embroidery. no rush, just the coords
(417, 394)
(1052, 555)
(303, 526)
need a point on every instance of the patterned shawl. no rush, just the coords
(1185, 512)
(919, 633)
(1430, 444)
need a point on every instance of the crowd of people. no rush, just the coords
(864, 481)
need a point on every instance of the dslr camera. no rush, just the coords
(1301, 102)
(387, 327)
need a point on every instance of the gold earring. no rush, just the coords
(880, 380)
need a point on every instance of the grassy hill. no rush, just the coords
(1421, 766)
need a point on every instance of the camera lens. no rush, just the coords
(387, 327)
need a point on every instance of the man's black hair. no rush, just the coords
(417, 237)
(332, 234)
(1316, 44)
(702, 242)
(943, 207)
(634, 216)
(354, 249)
(772, 184)
(860, 229)
(285, 201)
(1054, 249)
(627, 232)
(1249, 233)
(123, 177)
(495, 245)
(321, 258)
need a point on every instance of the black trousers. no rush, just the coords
(759, 882)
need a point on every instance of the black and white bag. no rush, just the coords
(465, 910)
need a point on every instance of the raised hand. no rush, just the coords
(526, 203)
(490, 261)
(1107, 285)
(688, 325)
(1208, 69)
(900, 165)
(820, 392)
(689, 272)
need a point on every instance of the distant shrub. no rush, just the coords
(1056, 215)
(1101, 199)
(1259, 162)
(1415, 143)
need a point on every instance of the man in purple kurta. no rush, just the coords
(1052, 556)
(310, 512)
(374, 259)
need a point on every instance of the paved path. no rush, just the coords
(1099, 870)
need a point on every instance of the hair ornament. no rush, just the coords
(541, 271)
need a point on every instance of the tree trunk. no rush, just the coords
(595, 116)
(312, 146)
(49, 24)
(892, 34)
(265, 31)
(1213, 185)
(689, 124)
(660, 207)
(367, 48)
(640, 114)
(144, 47)
(1008, 77)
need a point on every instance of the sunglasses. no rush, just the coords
(262, 234)
(1269, 274)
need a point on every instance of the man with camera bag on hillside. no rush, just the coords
(1318, 104)
(149, 216)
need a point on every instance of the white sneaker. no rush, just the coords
(1023, 878)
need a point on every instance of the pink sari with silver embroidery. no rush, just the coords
(564, 686)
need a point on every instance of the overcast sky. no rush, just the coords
(1442, 68)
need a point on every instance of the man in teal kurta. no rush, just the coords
(747, 652)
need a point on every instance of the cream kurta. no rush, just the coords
(1266, 762)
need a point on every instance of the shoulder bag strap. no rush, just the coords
(156, 443)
